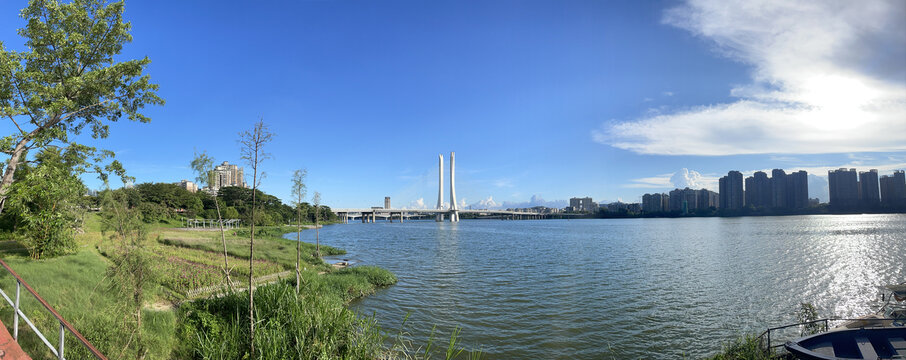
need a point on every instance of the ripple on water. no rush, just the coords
(630, 288)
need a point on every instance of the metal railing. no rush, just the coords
(767, 333)
(64, 325)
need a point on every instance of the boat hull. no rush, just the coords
(868, 343)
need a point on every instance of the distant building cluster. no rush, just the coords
(621, 207)
(780, 191)
(188, 185)
(227, 174)
(224, 175)
(893, 189)
(682, 200)
(582, 205)
(536, 210)
(849, 189)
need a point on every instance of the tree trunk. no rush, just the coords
(251, 258)
(10, 170)
(298, 248)
(226, 266)
(318, 232)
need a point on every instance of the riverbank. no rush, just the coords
(175, 315)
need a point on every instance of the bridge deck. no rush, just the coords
(9, 348)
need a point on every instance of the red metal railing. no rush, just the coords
(64, 325)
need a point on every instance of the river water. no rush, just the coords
(620, 288)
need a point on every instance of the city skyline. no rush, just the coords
(541, 101)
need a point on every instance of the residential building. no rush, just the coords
(797, 190)
(731, 191)
(869, 188)
(778, 188)
(655, 202)
(893, 189)
(582, 204)
(188, 185)
(708, 199)
(758, 190)
(386, 202)
(620, 206)
(227, 174)
(685, 200)
(843, 188)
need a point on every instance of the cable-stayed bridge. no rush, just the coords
(371, 215)
(452, 212)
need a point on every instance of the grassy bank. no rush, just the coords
(77, 286)
(746, 347)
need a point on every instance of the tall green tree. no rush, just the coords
(68, 81)
(131, 269)
(47, 204)
(252, 144)
(299, 192)
(203, 165)
(316, 202)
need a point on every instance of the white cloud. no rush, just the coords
(417, 204)
(680, 179)
(668, 93)
(689, 178)
(488, 203)
(828, 77)
(784, 159)
(653, 182)
(536, 200)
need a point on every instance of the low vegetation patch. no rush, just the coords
(747, 347)
(307, 326)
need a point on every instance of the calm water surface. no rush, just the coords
(632, 288)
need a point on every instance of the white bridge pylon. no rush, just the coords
(454, 210)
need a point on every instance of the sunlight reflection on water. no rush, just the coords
(630, 288)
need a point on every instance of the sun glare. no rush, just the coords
(837, 101)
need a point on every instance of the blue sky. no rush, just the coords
(539, 99)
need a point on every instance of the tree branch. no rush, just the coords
(16, 123)
(22, 99)
(56, 59)
(73, 113)
(93, 50)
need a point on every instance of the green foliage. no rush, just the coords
(183, 269)
(203, 166)
(70, 282)
(291, 327)
(747, 347)
(375, 275)
(69, 81)
(806, 313)
(132, 268)
(46, 205)
(272, 247)
(153, 213)
(230, 213)
(168, 197)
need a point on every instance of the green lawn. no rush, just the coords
(76, 285)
